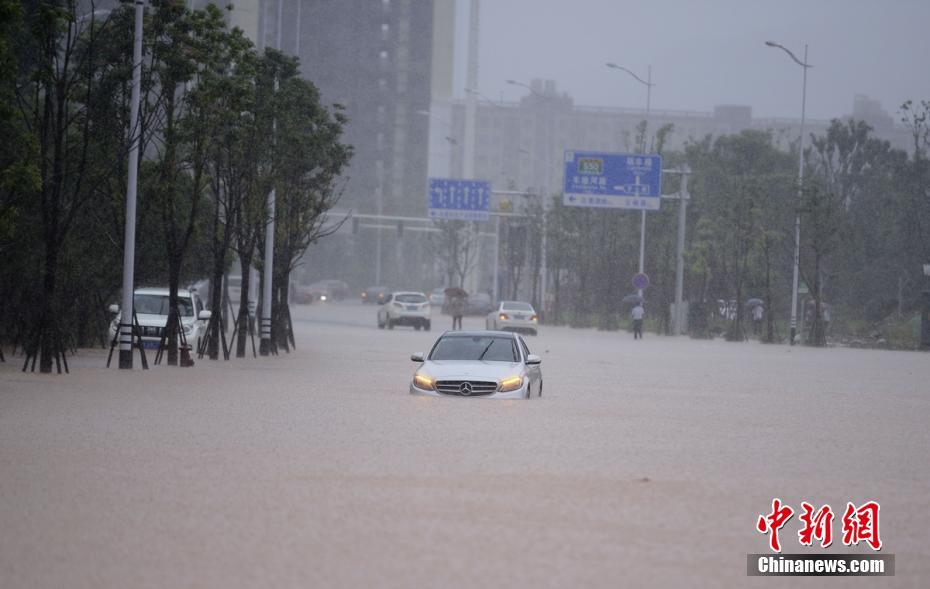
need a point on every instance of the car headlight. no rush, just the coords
(511, 384)
(504, 317)
(534, 318)
(421, 381)
(188, 328)
(322, 297)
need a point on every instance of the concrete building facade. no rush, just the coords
(521, 145)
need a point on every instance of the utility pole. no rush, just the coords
(268, 270)
(129, 237)
(797, 219)
(642, 149)
(468, 153)
(684, 197)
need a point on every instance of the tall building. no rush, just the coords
(381, 60)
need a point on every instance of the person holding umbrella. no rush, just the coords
(456, 305)
(758, 312)
(637, 314)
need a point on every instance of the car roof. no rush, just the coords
(182, 292)
(517, 302)
(403, 292)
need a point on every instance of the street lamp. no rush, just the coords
(543, 273)
(648, 83)
(129, 235)
(797, 220)
(265, 346)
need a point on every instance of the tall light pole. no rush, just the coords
(797, 219)
(268, 271)
(642, 149)
(129, 236)
(543, 263)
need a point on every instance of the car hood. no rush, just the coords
(469, 370)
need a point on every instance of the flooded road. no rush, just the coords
(646, 463)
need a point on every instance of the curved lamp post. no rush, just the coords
(797, 220)
(648, 83)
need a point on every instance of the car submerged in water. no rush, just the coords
(492, 364)
(405, 308)
(151, 309)
(513, 316)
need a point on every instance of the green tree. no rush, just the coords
(62, 93)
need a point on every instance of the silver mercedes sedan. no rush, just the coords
(493, 364)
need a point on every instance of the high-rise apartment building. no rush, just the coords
(381, 60)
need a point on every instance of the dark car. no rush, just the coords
(375, 294)
(322, 291)
(335, 289)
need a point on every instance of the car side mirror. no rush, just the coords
(204, 315)
(114, 308)
(533, 359)
(418, 357)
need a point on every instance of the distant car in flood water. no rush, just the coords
(374, 294)
(513, 316)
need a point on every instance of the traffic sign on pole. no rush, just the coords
(612, 180)
(463, 200)
(640, 281)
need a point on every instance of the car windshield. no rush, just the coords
(152, 304)
(410, 298)
(512, 306)
(475, 347)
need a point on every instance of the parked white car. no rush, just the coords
(404, 308)
(513, 316)
(151, 306)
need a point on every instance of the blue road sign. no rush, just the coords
(640, 281)
(463, 200)
(612, 180)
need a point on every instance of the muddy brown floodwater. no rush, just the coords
(646, 463)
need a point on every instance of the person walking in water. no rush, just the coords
(457, 307)
(637, 315)
(757, 314)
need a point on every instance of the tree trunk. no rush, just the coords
(48, 325)
(769, 321)
(174, 279)
(245, 265)
(216, 288)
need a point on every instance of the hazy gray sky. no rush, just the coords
(710, 52)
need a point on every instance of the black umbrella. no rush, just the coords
(755, 303)
(455, 291)
(631, 299)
